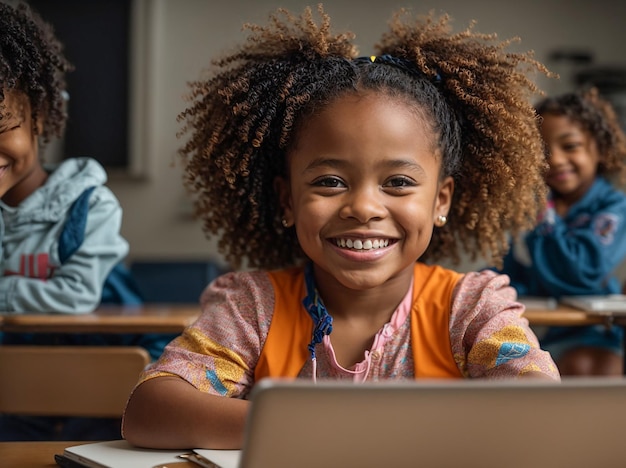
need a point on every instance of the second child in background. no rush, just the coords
(61, 247)
(581, 236)
(340, 178)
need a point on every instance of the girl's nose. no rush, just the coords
(364, 204)
(554, 156)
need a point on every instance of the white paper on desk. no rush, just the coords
(120, 454)
(221, 458)
(538, 303)
(614, 303)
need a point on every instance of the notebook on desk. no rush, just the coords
(117, 454)
(578, 423)
(612, 303)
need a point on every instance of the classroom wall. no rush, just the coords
(176, 39)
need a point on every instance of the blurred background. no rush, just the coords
(133, 60)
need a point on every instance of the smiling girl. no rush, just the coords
(60, 241)
(339, 176)
(581, 236)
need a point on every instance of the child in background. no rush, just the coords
(334, 174)
(61, 249)
(581, 236)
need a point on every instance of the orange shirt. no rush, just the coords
(286, 347)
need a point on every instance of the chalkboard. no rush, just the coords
(96, 39)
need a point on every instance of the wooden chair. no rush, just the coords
(82, 381)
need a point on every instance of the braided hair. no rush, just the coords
(32, 63)
(244, 117)
(597, 117)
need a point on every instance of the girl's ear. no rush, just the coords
(444, 199)
(283, 190)
(38, 126)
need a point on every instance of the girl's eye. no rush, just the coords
(571, 146)
(330, 182)
(9, 129)
(398, 182)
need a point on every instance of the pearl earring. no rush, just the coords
(285, 223)
(441, 220)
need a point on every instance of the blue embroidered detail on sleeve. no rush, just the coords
(216, 383)
(510, 351)
(604, 227)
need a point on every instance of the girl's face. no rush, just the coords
(20, 169)
(364, 189)
(572, 155)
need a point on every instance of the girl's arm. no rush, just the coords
(570, 260)
(169, 413)
(489, 336)
(193, 396)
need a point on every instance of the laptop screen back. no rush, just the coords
(577, 423)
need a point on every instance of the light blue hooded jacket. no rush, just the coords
(32, 276)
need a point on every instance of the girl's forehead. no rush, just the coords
(560, 123)
(369, 128)
(366, 113)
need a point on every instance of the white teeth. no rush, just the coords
(359, 244)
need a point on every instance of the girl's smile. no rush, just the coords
(362, 244)
(560, 175)
(363, 249)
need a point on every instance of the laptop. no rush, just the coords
(471, 423)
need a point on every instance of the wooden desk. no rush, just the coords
(565, 316)
(174, 318)
(571, 317)
(41, 454)
(31, 454)
(110, 319)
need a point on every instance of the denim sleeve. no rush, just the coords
(571, 260)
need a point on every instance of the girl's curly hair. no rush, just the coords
(596, 116)
(32, 63)
(245, 116)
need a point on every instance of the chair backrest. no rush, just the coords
(88, 381)
(173, 281)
